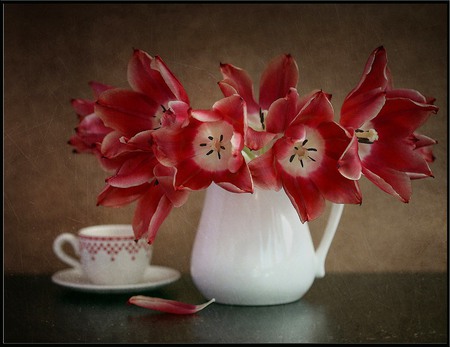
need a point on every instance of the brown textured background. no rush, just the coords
(51, 51)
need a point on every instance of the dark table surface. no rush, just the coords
(340, 308)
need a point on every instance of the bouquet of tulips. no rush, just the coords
(159, 148)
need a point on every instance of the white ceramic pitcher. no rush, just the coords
(252, 249)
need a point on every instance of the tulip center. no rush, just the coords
(157, 121)
(214, 145)
(302, 153)
(366, 136)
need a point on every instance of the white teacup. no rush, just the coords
(108, 254)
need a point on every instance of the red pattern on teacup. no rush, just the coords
(111, 247)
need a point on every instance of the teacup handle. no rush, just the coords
(58, 249)
(327, 238)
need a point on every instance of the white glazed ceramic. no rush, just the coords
(252, 249)
(108, 254)
(154, 277)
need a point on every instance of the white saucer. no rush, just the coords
(154, 277)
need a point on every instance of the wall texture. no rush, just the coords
(51, 51)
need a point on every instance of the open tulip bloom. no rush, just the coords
(158, 148)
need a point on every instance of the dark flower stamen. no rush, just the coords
(215, 146)
(261, 119)
(302, 153)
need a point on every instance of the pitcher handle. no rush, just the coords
(327, 238)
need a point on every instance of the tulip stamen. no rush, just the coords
(215, 145)
(301, 153)
(366, 136)
(261, 118)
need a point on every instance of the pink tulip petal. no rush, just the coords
(177, 114)
(241, 82)
(165, 176)
(127, 111)
(85, 107)
(233, 188)
(317, 110)
(333, 186)
(79, 146)
(304, 196)
(280, 75)
(228, 89)
(397, 154)
(142, 141)
(400, 117)
(173, 143)
(281, 112)
(375, 74)
(239, 181)
(168, 306)
(362, 108)
(88, 138)
(98, 88)
(256, 140)
(421, 140)
(136, 170)
(82, 107)
(113, 147)
(407, 94)
(171, 81)
(114, 197)
(263, 171)
(416, 176)
(151, 211)
(191, 176)
(365, 101)
(296, 131)
(232, 110)
(145, 79)
(424, 145)
(395, 183)
(92, 129)
(206, 115)
(349, 164)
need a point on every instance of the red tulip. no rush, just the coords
(208, 148)
(384, 121)
(304, 160)
(280, 75)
